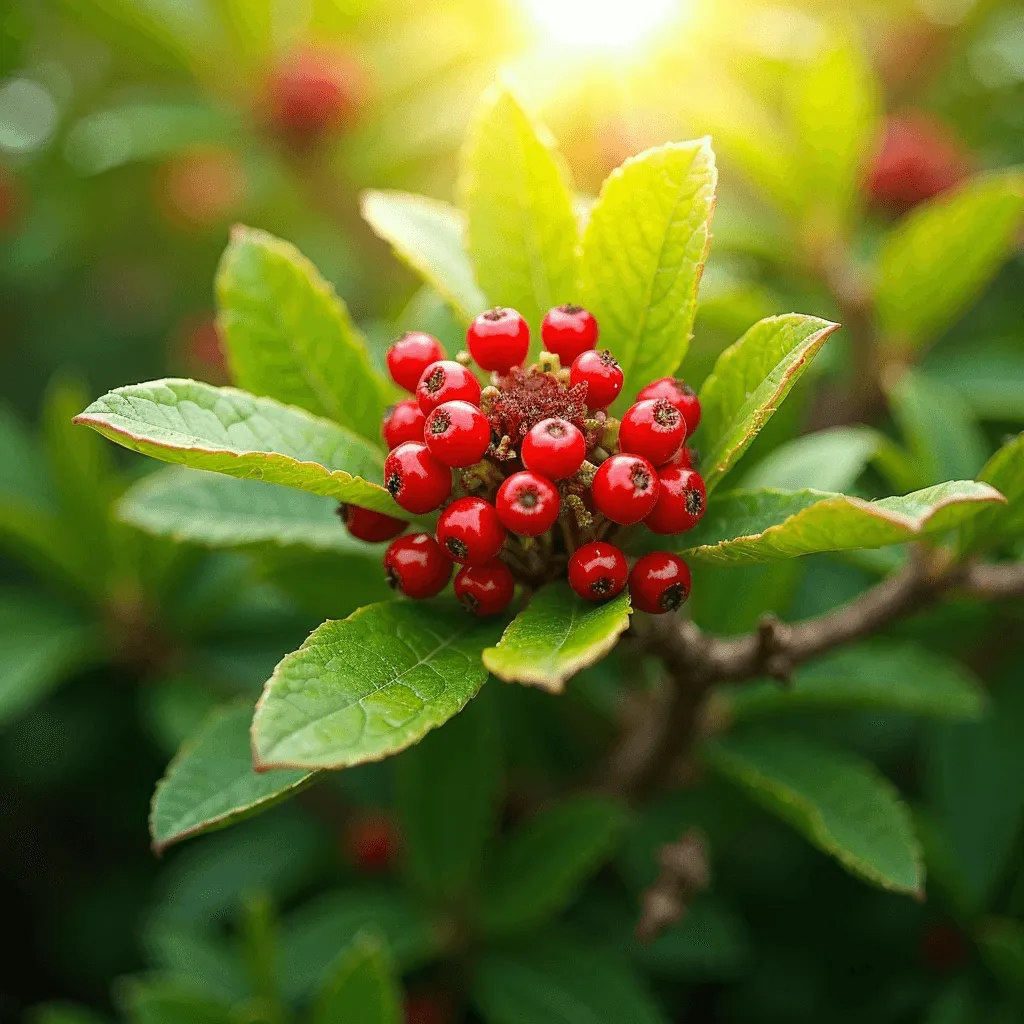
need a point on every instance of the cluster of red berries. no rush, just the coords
(545, 476)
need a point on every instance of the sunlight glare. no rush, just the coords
(599, 24)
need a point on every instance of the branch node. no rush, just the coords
(684, 872)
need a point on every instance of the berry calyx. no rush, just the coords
(372, 842)
(373, 527)
(470, 531)
(416, 566)
(597, 571)
(555, 448)
(446, 381)
(682, 500)
(602, 376)
(403, 421)
(410, 356)
(498, 339)
(528, 504)
(457, 434)
(653, 428)
(485, 589)
(680, 394)
(415, 479)
(568, 331)
(625, 489)
(659, 583)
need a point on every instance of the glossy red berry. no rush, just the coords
(373, 527)
(687, 457)
(602, 375)
(659, 582)
(528, 504)
(470, 531)
(568, 331)
(410, 356)
(446, 381)
(498, 339)
(681, 501)
(415, 479)
(416, 566)
(372, 842)
(625, 489)
(457, 434)
(485, 589)
(555, 448)
(680, 394)
(597, 571)
(403, 421)
(653, 428)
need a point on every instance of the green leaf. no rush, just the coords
(749, 382)
(522, 234)
(840, 803)
(62, 1013)
(211, 783)
(362, 988)
(191, 954)
(544, 864)
(448, 790)
(879, 675)
(643, 255)
(290, 337)
(429, 237)
(829, 460)
(192, 506)
(939, 257)
(231, 432)
(160, 1001)
(1000, 523)
(370, 685)
(741, 527)
(557, 635)
(1001, 941)
(988, 376)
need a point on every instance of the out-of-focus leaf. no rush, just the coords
(1001, 941)
(362, 987)
(995, 525)
(750, 380)
(160, 1001)
(63, 1013)
(830, 460)
(190, 955)
(989, 377)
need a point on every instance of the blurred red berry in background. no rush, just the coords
(313, 92)
(426, 1008)
(372, 842)
(202, 187)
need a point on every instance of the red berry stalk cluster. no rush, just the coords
(533, 477)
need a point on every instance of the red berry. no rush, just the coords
(687, 457)
(498, 339)
(457, 434)
(568, 331)
(528, 504)
(602, 375)
(597, 570)
(555, 448)
(654, 429)
(416, 566)
(681, 501)
(410, 356)
(373, 527)
(659, 582)
(680, 394)
(415, 479)
(446, 381)
(372, 842)
(470, 531)
(312, 92)
(485, 589)
(625, 489)
(403, 421)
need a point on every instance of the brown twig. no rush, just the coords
(684, 873)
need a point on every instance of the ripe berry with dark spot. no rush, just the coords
(528, 504)
(457, 434)
(602, 375)
(485, 589)
(625, 489)
(373, 527)
(653, 428)
(554, 448)
(416, 566)
(446, 381)
(372, 842)
(681, 501)
(597, 571)
(403, 421)
(568, 331)
(410, 356)
(470, 531)
(498, 339)
(680, 394)
(415, 479)
(659, 583)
